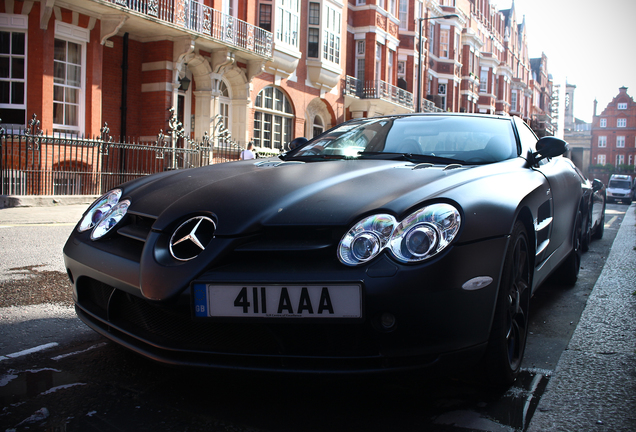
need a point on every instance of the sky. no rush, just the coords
(589, 43)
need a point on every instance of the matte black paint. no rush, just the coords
(435, 316)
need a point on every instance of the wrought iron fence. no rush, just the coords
(34, 163)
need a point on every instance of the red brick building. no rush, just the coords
(266, 70)
(614, 135)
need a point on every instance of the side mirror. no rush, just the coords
(548, 147)
(297, 142)
(597, 185)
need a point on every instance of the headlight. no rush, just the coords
(99, 209)
(425, 233)
(366, 239)
(111, 219)
(419, 236)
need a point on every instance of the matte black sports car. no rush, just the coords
(388, 243)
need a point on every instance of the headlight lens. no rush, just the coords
(99, 209)
(425, 233)
(111, 219)
(366, 239)
(419, 236)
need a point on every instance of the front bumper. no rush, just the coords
(437, 321)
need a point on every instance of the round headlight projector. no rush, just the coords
(419, 236)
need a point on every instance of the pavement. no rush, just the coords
(593, 387)
(17, 210)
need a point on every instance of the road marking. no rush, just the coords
(610, 222)
(60, 357)
(29, 351)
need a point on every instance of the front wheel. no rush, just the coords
(509, 332)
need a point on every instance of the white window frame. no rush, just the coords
(16, 24)
(600, 159)
(360, 59)
(483, 81)
(282, 118)
(288, 22)
(621, 122)
(622, 106)
(225, 103)
(403, 14)
(401, 68)
(457, 53)
(378, 61)
(81, 36)
(267, 25)
(620, 142)
(314, 28)
(230, 7)
(442, 91)
(620, 159)
(603, 122)
(513, 101)
(332, 29)
(602, 141)
(444, 42)
(318, 126)
(392, 7)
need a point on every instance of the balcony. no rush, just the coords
(542, 125)
(214, 29)
(376, 97)
(430, 107)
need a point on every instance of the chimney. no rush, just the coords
(595, 104)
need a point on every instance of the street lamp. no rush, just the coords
(419, 64)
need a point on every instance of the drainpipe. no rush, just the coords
(124, 101)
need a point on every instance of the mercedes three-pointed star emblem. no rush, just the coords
(191, 238)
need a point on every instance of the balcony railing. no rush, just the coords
(202, 19)
(378, 90)
(429, 106)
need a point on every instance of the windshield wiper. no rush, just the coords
(411, 157)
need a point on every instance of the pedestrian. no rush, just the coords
(248, 153)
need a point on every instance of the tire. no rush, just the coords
(598, 234)
(568, 272)
(509, 331)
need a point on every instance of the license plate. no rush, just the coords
(278, 301)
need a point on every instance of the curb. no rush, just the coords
(10, 201)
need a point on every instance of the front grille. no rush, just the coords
(172, 327)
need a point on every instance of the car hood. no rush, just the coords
(244, 196)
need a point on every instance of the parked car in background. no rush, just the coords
(620, 188)
(594, 223)
(391, 243)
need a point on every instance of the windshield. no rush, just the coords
(619, 184)
(442, 139)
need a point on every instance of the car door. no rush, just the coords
(561, 204)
